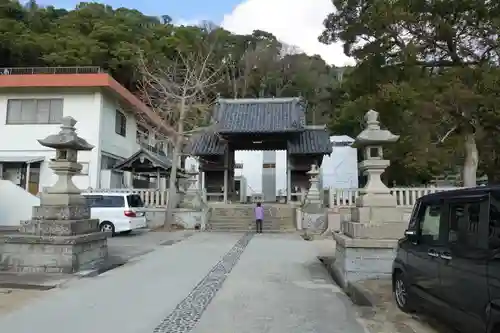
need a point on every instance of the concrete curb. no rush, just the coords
(360, 295)
(357, 292)
(41, 282)
(328, 263)
(87, 273)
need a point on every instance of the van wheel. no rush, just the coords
(107, 227)
(401, 294)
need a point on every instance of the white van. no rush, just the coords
(117, 212)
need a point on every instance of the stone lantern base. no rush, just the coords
(366, 246)
(59, 239)
(358, 259)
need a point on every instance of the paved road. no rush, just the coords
(122, 248)
(210, 282)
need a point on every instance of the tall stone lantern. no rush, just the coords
(61, 237)
(366, 246)
(313, 212)
(372, 140)
(67, 144)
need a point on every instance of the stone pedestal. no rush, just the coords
(365, 247)
(61, 237)
(361, 259)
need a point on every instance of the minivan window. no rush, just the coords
(494, 227)
(109, 201)
(463, 226)
(134, 201)
(429, 222)
(92, 199)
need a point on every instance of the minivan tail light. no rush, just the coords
(129, 213)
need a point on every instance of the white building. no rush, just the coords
(31, 108)
(340, 169)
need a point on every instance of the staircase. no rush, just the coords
(241, 218)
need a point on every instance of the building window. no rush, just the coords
(34, 111)
(108, 162)
(120, 124)
(141, 135)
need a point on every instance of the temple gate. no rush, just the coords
(258, 124)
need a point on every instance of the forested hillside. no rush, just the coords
(99, 35)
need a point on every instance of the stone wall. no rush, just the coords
(189, 218)
(155, 217)
(51, 254)
(361, 263)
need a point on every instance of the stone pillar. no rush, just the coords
(288, 180)
(61, 237)
(366, 245)
(269, 175)
(226, 175)
(200, 180)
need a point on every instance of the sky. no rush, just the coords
(294, 22)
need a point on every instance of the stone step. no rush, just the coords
(244, 222)
(264, 231)
(248, 228)
(252, 216)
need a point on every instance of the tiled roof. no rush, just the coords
(310, 141)
(262, 115)
(206, 144)
(156, 161)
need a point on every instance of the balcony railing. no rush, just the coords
(51, 70)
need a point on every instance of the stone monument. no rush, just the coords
(61, 237)
(365, 246)
(313, 212)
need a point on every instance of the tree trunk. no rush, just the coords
(172, 184)
(471, 160)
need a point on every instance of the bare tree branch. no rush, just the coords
(181, 94)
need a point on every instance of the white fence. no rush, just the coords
(338, 197)
(150, 197)
(405, 196)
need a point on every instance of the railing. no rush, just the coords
(150, 197)
(50, 70)
(405, 196)
(338, 197)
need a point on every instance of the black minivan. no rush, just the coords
(448, 263)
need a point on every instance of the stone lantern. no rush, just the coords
(313, 212)
(365, 248)
(67, 144)
(192, 196)
(61, 237)
(372, 140)
(313, 196)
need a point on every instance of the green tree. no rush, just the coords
(434, 56)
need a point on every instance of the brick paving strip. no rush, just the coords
(188, 312)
